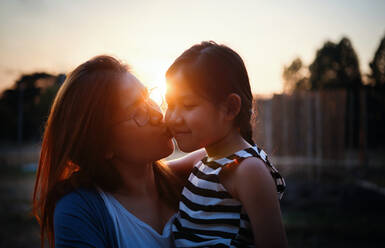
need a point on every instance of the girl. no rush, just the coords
(230, 198)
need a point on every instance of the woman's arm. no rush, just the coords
(255, 188)
(182, 166)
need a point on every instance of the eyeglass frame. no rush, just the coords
(147, 106)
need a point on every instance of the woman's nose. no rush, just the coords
(156, 115)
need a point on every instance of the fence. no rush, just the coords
(318, 127)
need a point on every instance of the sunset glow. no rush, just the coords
(157, 91)
(56, 36)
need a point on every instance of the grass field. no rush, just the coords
(333, 215)
(329, 211)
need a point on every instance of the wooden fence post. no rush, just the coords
(363, 129)
(268, 124)
(318, 132)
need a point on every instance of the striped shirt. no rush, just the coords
(208, 215)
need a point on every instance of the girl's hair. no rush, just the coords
(75, 140)
(215, 71)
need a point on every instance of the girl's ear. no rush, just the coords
(233, 105)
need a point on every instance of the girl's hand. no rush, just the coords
(182, 166)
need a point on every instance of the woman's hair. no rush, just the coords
(214, 71)
(75, 139)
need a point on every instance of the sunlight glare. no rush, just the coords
(158, 92)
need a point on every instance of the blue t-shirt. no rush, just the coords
(81, 220)
(133, 232)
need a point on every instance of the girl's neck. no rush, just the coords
(230, 143)
(138, 180)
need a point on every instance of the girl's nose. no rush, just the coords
(172, 117)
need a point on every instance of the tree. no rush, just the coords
(377, 66)
(294, 77)
(335, 66)
(25, 106)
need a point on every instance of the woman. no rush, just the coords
(99, 182)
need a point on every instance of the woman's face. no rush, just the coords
(138, 133)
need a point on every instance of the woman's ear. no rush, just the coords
(233, 105)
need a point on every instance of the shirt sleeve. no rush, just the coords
(77, 224)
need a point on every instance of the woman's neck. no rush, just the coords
(230, 143)
(138, 180)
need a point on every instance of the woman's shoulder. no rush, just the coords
(80, 202)
(78, 197)
(82, 215)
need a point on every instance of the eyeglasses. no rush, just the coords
(141, 112)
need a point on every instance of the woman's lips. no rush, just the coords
(180, 133)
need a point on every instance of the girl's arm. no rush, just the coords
(182, 166)
(255, 188)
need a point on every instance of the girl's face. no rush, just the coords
(194, 121)
(138, 133)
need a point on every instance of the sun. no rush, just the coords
(158, 91)
(152, 73)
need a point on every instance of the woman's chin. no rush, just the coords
(172, 148)
(168, 149)
(187, 148)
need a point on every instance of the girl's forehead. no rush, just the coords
(181, 86)
(179, 89)
(178, 86)
(184, 90)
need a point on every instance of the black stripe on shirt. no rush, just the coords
(247, 233)
(189, 236)
(253, 152)
(233, 156)
(214, 233)
(207, 192)
(245, 217)
(210, 177)
(220, 245)
(197, 239)
(275, 175)
(212, 164)
(216, 221)
(210, 208)
(241, 243)
(280, 188)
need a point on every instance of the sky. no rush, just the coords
(56, 36)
